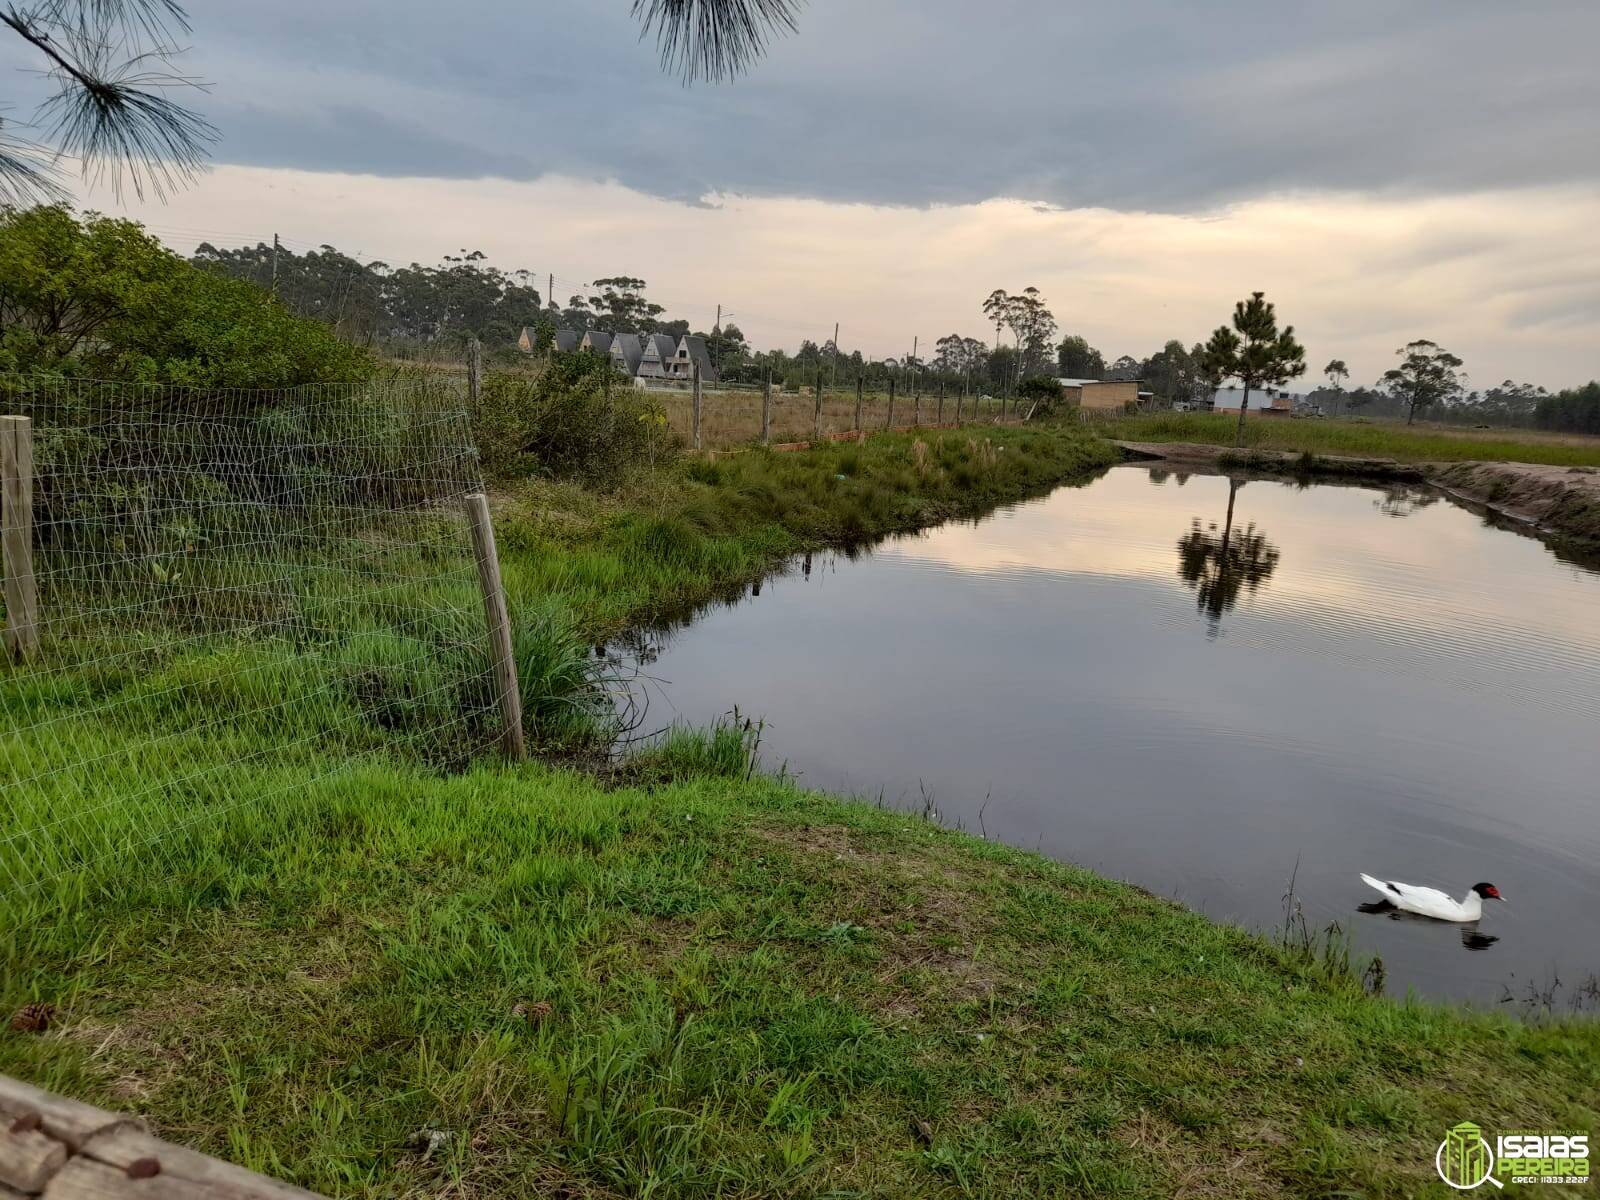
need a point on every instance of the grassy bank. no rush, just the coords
(721, 987)
(1359, 439)
(378, 977)
(667, 540)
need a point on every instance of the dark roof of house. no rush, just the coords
(599, 341)
(567, 340)
(626, 347)
(696, 346)
(665, 346)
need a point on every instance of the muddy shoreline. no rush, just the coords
(1562, 503)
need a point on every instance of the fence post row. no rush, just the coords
(696, 417)
(816, 416)
(16, 537)
(501, 657)
(861, 387)
(766, 410)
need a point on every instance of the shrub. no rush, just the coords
(1042, 392)
(101, 298)
(572, 418)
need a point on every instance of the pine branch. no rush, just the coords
(713, 39)
(110, 109)
(27, 175)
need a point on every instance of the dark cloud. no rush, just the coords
(1158, 104)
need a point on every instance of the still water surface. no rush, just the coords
(1126, 679)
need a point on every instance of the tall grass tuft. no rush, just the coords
(566, 697)
(729, 749)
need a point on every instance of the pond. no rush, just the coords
(1206, 686)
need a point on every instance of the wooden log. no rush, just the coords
(62, 1119)
(501, 657)
(120, 1149)
(16, 536)
(28, 1159)
(85, 1179)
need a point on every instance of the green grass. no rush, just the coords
(714, 987)
(672, 539)
(276, 920)
(1359, 439)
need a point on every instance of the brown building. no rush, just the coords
(1100, 393)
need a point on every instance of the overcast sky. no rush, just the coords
(1382, 170)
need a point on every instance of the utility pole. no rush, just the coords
(717, 328)
(550, 292)
(274, 264)
(836, 352)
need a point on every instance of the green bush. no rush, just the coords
(100, 298)
(1042, 392)
(574, 418)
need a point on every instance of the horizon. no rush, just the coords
(1143, 192)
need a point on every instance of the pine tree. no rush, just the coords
(1254, 351)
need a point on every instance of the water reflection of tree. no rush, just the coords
(1221, 564)
(1404, 499)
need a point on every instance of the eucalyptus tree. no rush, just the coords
(1076, 359)
(1428, 374)
(1337, 375)
(1034, 326)
(1254, 351)
(1031, 322)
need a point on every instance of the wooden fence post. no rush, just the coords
(766, 409)
(502, 659)
(916, 405)
(16, 537)
(940, 421)
(816, 416)
(696, 417)
(861, 388)
(474, 373)
(889, 421)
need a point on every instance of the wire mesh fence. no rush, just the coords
(238, 592)
(732, 415)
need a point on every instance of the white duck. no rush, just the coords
(1430, 902)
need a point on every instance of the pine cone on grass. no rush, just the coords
(33, 1018)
